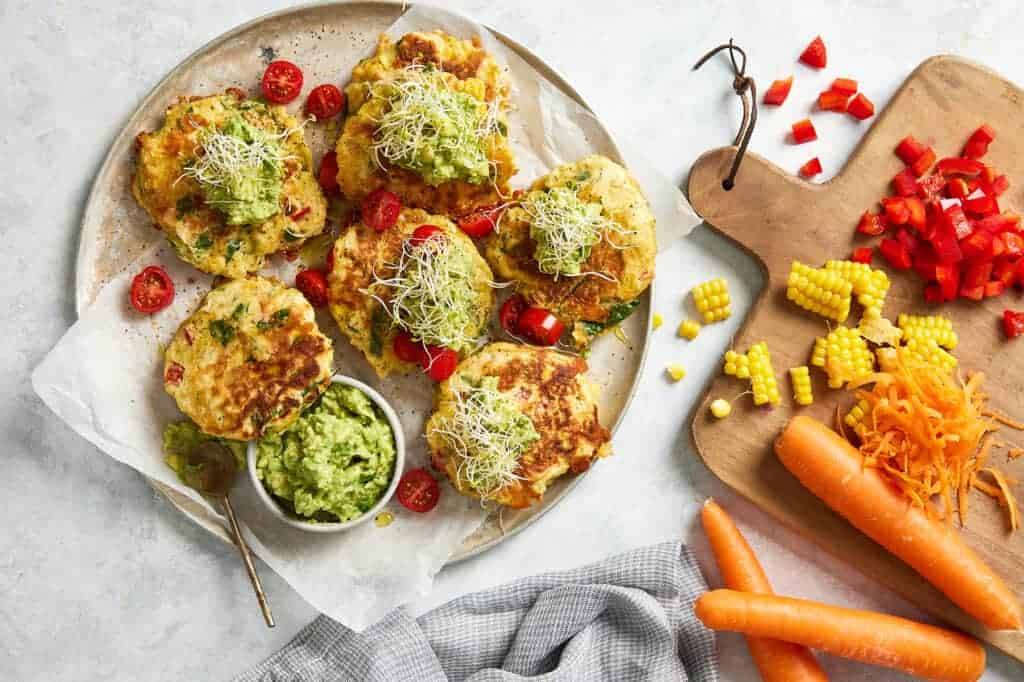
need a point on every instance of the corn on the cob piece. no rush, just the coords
(927, 350)
(688, 329)
(720, 408)
(676, 372)
(935, 327)
(824, 292)
(762, 376)
(657, 320)
(801, 377)
(818, 354)
(737, 365)
(712, 300)
(856, 416)
(869, 286)
(847, 356)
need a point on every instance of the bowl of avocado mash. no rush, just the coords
(336, 466)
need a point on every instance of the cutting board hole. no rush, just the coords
(727, 184)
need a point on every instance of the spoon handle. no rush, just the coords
(243, 549)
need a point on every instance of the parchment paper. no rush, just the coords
(104, 377)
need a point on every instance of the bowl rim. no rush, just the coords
(396, 429)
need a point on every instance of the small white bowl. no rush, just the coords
(320, 527)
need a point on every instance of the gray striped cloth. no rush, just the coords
(626, 618)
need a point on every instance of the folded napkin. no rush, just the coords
(626, 618)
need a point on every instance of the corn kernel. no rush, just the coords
(857, 415)
(676, 372)
(712, 300)
(818, 353)
(927, 350)
(657, 320)
(935, 327)
(737, 365)
(801, 377)
(689, 329)
(720, 408)
(821, 291)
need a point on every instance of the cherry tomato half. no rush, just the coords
(424, 233)
(479, 224)
(325, 101)
(539, 326)
(510, 311)
(282, 82)
(313, 285)
(152, 290)
(439, 363)
(407, 349)
(380, 209)
(418, 491)
(328, 173)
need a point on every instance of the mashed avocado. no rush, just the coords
(564, 227)
(240, 171)
(437, 132)
(335, 462)
(181, 438)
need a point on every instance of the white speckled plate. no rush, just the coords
(326, 40)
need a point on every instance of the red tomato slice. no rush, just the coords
(328, 173)
(325, 101)
(418, 491)
(539, 326)
(152, 290)
(282, 82)
(439, 363)
(479, 224)
(510, 311)
(424, 233)
(407, 349)
(313, 285)
(380, 209)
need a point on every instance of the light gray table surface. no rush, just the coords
(101, 579)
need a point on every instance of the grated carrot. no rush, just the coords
(1014, 453)
(1002, 418)
(926, 432)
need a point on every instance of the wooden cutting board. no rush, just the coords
(777, 217)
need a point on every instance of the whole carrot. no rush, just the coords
(915, 648)
(777, 661)
(834, 471)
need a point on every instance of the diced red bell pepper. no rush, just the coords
(977, 245)
(933, 294)
(860, 107)
(1000, 185)
(917, 211)
(947, 249)
(955, 166)
(778, 92)
(909, 150)
(815, 55)
(895, 253)
(907, 238)
(947, 275)
(956, 188)
(958, 222)
(844, 86)
(980, 204)
(994, 288)
(977, 144)
(1005, 270)
(872, 224)
(975, 275)
(946, 204)
(811, 168)
(1007, 220)
(929, 187)
(863, 255)
(925, 262)
(924, 162)
(1013, 324)
(988, 174)
(974, 293)
(905, 183)
(1020, 272)
(896, 210)
(832, 101)
(803, 131)
(1012, 245)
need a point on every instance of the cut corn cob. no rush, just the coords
(880, 330)
(856, 416)
(712, 300)
(801, 377)
(657, 320)
(688, 329)
(762, 376)
(676, 372)
(737, 365)
(927, 350)
(847, 356)
(720, 408)
(820, 291)
(935, 327)
(818, 354)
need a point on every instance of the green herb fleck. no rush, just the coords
(268, 54)
(240, 309)
(233, 246)
(222, 331)
(378, 325)
(289, 237)
(203, 242)
(184, 206)
(282, 314)
(616, 314)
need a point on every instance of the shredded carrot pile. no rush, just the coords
(927, 431)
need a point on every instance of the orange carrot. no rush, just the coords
(834, 471)
(777, 661)
(915, 648)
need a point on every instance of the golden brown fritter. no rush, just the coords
(549, 387)
(468, 69)
(199, 232)
(248, 360)
(589, 304)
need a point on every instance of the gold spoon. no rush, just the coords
(211, 469)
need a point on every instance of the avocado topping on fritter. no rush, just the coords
(433, 130)
(240, 169)
(432, 293)
(565, 229)
(487, 433)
